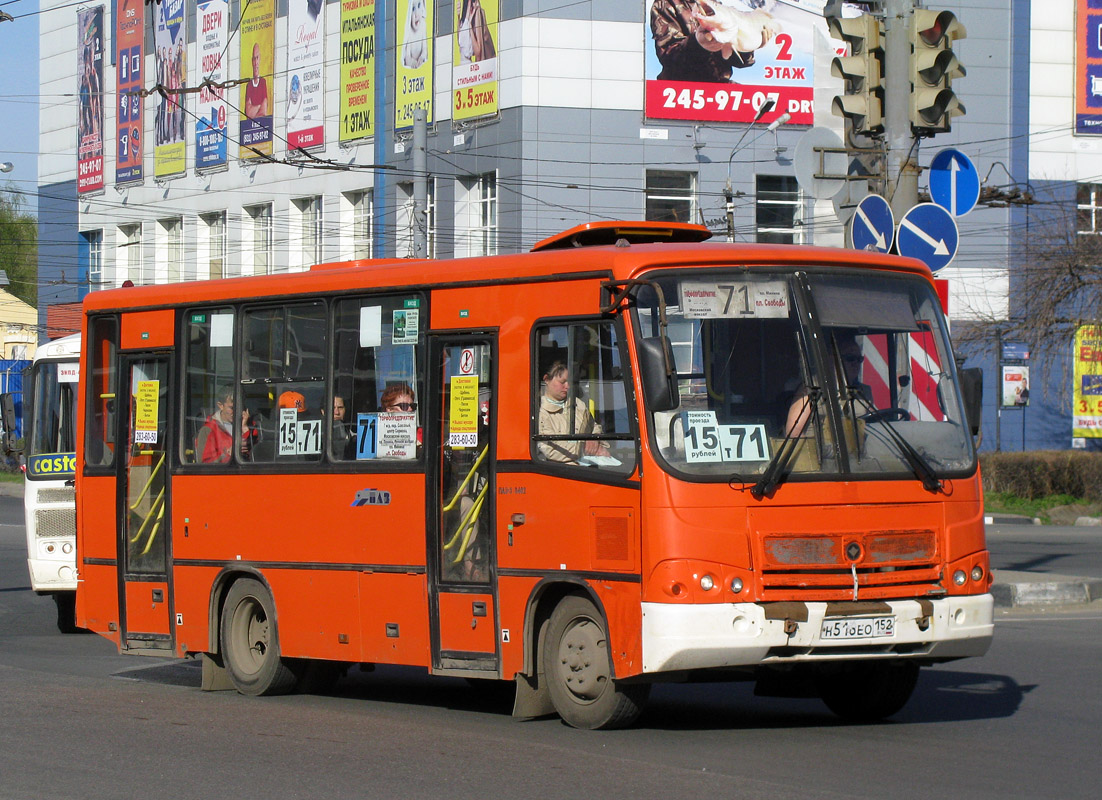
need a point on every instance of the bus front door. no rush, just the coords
(462, 596)
(144, 596)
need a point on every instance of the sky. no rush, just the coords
(19, 96)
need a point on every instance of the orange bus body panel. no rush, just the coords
(142, 330)
(461, 629)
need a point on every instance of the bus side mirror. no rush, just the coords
(971, 390)
(7, 416)
(658, 375)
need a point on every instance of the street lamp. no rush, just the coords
(7, 166)
(766, 107)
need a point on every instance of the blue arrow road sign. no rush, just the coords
(928, 232)
(873, 225)
(954, 182)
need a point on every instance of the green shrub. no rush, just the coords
(1042, 473)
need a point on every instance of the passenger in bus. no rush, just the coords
(555, 421)
(214, 443)
(398, 397)
(342, 432)
(799, 412)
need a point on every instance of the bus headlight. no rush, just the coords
(977, 572)
(959, 577)
(707, 582)
(736, 585)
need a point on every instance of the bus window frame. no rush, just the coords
(578, 471)
(326, 463)
(87, 378)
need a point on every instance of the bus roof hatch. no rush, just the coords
(593, 234)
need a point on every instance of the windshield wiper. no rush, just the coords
(775, 471)
(918, 463)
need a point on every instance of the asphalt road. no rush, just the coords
(79, 720)
(1047, 549)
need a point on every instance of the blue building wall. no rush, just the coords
(58, 248)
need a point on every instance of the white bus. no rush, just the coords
(49, 500)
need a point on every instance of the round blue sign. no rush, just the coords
(954, 182)
(929, 233)
(873, 225)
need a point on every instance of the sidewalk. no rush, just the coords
(1013, 589)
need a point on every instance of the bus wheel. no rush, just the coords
(869, 690)
(578, 672)
(66, 612)
(250, 644)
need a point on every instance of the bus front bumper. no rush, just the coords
(706, 636)
(52, 575)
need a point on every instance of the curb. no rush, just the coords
(1035, 589)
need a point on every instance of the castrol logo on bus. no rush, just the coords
(52, 464)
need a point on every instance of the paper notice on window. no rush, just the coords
(734, 299)
(463, 412)
(397, 435)
(221, 330)
(371, 326)
(407, 324)
(145, 412)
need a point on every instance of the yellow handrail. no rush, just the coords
(467, 525)
(148, 483)
(463, 486)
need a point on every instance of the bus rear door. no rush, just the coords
(462, 596)
(143, 519)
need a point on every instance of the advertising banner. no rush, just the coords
(357, 69)
(170, 43)
(474, 59)
(1015, 386)
(1087, 388)
(129, 78)
(90, 107)
(719, 60)
(1088, 67)
(210, 123)
(305, 74)
(257, 33)
(413, 84)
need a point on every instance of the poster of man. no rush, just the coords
(1015, 386)
(90, 95)
(719, 60)
(257, 33)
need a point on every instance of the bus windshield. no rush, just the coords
(843, 372)
(53, 429)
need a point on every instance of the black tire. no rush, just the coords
(67, 612)
(250, 641)
(869, 690)
(578, 671)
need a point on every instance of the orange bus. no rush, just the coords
(627, 456)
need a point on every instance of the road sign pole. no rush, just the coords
(902, 146)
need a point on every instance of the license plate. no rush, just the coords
(858, 628)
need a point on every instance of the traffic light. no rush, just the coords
(863, 71)
(933, 67)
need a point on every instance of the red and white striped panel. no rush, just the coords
(920, 363)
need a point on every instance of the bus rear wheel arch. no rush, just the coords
(578, 670)
(249, 641)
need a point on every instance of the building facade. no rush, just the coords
(540, 116)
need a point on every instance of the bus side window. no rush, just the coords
(283, 386)
(375, 349)
(103, 382)
(209, 411)
(580, 408)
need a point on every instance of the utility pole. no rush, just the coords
(420, 185)
(900, 143)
